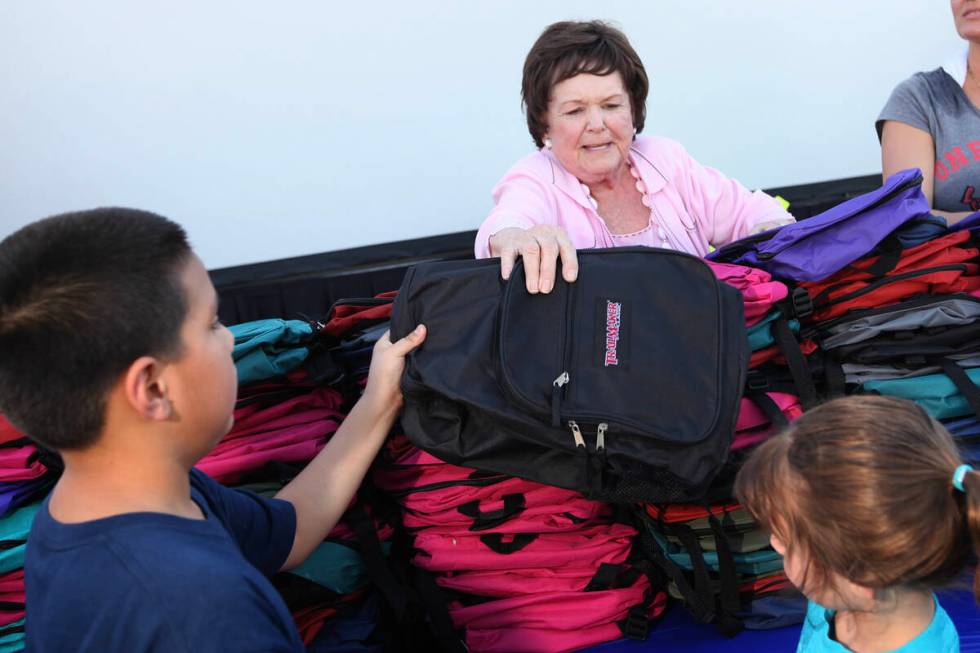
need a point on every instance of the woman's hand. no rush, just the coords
(540, 246)
(770, 224)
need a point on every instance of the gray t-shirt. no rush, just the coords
(935, 103)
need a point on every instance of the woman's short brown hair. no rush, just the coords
(570, 48)
(862, 487)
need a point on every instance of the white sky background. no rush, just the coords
(280, 129)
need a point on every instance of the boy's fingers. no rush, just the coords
(409, 342)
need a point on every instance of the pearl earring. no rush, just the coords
(547, 143)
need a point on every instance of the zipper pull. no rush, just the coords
(600, 436)
(576, 434)
(556, 390)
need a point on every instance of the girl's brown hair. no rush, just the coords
(863, 487)
(569, 48)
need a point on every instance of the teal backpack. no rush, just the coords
(953, 394)
(265, 349)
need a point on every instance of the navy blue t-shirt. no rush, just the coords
(155, 582)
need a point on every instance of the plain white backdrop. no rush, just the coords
(280, 129)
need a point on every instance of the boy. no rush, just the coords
(111, 353)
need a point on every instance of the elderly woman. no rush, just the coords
(594, 182)
(932, 122)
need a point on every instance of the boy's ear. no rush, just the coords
(146, 389)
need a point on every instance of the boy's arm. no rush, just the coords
(323, 490)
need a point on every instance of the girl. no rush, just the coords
(869, 504)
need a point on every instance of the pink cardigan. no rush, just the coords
(697, 205)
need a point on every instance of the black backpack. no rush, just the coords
(623, 385)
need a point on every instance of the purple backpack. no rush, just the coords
(819, 246)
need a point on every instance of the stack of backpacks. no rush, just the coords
(884, 299)
(286, 411)
(718, 561)
(879, 297)
(27, 474)
(484, 558)
(523, 566)
(873, 296)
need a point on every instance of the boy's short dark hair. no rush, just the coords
(82, 296)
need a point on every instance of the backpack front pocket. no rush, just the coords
(633, 344)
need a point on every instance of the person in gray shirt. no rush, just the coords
(932, 122)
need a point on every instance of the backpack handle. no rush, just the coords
(513, 505)
(495, 541)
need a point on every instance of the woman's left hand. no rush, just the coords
(770, 224)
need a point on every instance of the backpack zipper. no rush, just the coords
(600, 436)
(558, 385)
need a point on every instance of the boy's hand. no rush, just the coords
(387, 365)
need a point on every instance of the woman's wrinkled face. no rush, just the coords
(590, 125)
(966, 15)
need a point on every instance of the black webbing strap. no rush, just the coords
(496, 542)
(963, 383)
(891, 253)
(513, 505)
(729, 602)
(834, 377)
(375, 563)
(435, 604)
(796, 362)
(613, 577)
(636, 625)
(604, 577)
(702, 575)
(727, 624)
(769, 408)
(702, 611)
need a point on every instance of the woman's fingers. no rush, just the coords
(569, 258)
(540, 248)
(508, 256)
(549, 258)
(531, 253)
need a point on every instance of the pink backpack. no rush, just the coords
(609, 543)
(293, 430)
(255, 418)
(507, 583)
(533, 550)
(754, 425)
(20, 464)
(551, 622)
(413, 470)
(493, 508)
(759, 290)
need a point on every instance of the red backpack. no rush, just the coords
(942, 266)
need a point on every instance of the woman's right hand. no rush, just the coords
(540, 247)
